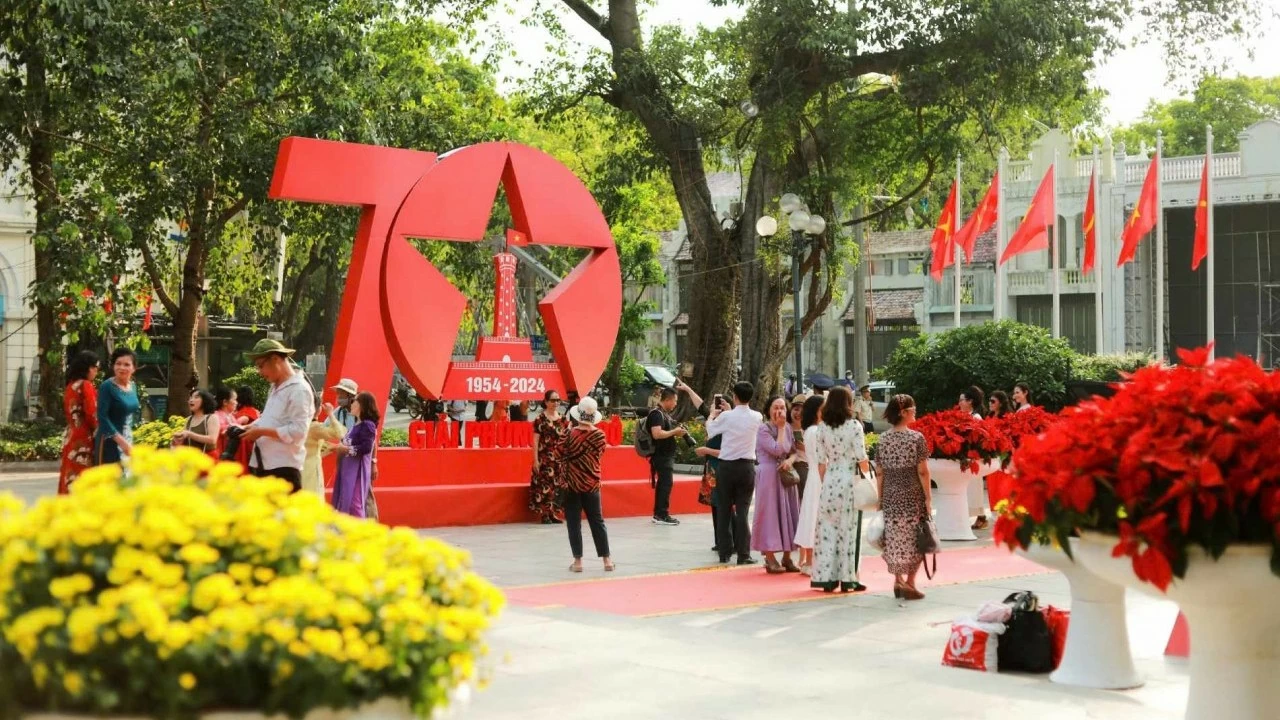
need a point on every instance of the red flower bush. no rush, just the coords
(1024, 423)
(1181, 456)
(958, 435)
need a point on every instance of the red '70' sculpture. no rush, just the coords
(399, 311)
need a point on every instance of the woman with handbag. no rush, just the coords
(840, 456)
(905, 496)
(777, 499)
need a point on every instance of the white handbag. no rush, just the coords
(865, 496)
(875, 532)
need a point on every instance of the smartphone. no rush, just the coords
(716, 400)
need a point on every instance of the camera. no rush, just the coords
(688, 440)
(232, 446)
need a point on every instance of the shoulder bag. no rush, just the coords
(927, 544)
(865, 496)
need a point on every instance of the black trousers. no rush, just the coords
(292, 475)
(716, 512)
(736, 482)
(574, 505)
(663, 470)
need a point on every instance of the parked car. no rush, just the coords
(881, 391)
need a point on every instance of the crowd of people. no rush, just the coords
(285, 439)
(797, 463)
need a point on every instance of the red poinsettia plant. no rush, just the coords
(1024, 423)
(958, 435)
(1179, 456)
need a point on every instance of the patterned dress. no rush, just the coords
(835, 548)
(80, 404)
(544, 479)
(899, 454)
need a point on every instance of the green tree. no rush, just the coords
(824, 121)
(1229, 104)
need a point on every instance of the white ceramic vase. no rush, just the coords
(387, 709)
(1231, 609)
(1097, 653)
(951, 499)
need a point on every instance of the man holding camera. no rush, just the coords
(665, 431)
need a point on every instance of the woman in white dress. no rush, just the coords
(807, 528)
(972, 401)
(839, 453)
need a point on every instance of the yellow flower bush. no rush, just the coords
(158, 433)
(174, 585)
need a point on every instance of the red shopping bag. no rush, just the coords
(972, 645)
(1058, 620)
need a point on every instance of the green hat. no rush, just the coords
(267, 346)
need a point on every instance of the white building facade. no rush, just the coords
(18, 338)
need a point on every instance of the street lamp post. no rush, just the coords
(801, 224)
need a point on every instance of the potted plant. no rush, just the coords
(1172, 486)
(960, 447)
(174, 587)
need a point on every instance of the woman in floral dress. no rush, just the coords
(549, 431)
(905, 497)
(80, 403)
(838, 453)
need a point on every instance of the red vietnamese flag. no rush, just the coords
(1033, 233)
(943, 244)
(1144, 215)
(1091, 225)
(982, 219)
(1200, 250)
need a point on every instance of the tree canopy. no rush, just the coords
(1229, 104)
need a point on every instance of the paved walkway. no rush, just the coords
(861, 656)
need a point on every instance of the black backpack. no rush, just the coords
(1026, 644)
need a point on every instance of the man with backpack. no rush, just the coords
(656, 439)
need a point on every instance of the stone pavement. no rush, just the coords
(865, 656)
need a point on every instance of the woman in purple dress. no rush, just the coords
(777, 507)
(351, 485)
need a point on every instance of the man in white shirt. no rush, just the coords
(280, 434)
(736, 479)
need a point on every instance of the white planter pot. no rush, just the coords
(387, 709)
(951, 499)
(1097, 653)
(1230, 606)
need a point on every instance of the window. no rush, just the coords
(684, 282)
(904, 266)
(882, 268)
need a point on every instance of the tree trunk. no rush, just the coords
(322, 318)
(761, 288)
(44, 188)
(183, 374)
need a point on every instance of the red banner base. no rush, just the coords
(444, 487)
(1180, 639)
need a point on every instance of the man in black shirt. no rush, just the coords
(665, 432)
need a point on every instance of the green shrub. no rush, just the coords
(249, 376)
(1108, 368)
(393, 437)
(685, 455)
(935, 368)
(29, 432)
(47, 448)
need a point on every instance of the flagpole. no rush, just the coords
(1053, 253)
(1159, 320)
(1097, 266)
(1000, 172)
(1209, 330)
(958, 251)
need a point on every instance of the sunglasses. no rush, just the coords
(551, 400)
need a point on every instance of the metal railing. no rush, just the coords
(1038, 282)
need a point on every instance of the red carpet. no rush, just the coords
(718, 588)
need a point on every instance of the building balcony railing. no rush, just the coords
(977, 292)
(1176, 169)
(1038, 282)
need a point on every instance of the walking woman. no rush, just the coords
(351, 485)
(322, 434)
(583, 447)
(998, 405)
(117, 404)
(80, 405)
(202, 428)
(806, 529)
(549, 430)
(777, 507)
(840, 453)
(905, 497)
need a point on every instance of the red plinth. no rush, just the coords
(442, 487)
(1180, 639)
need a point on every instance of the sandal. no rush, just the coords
(981, 523)
(789, 566)
(773, 568)
(576, 567)
(608, 565)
